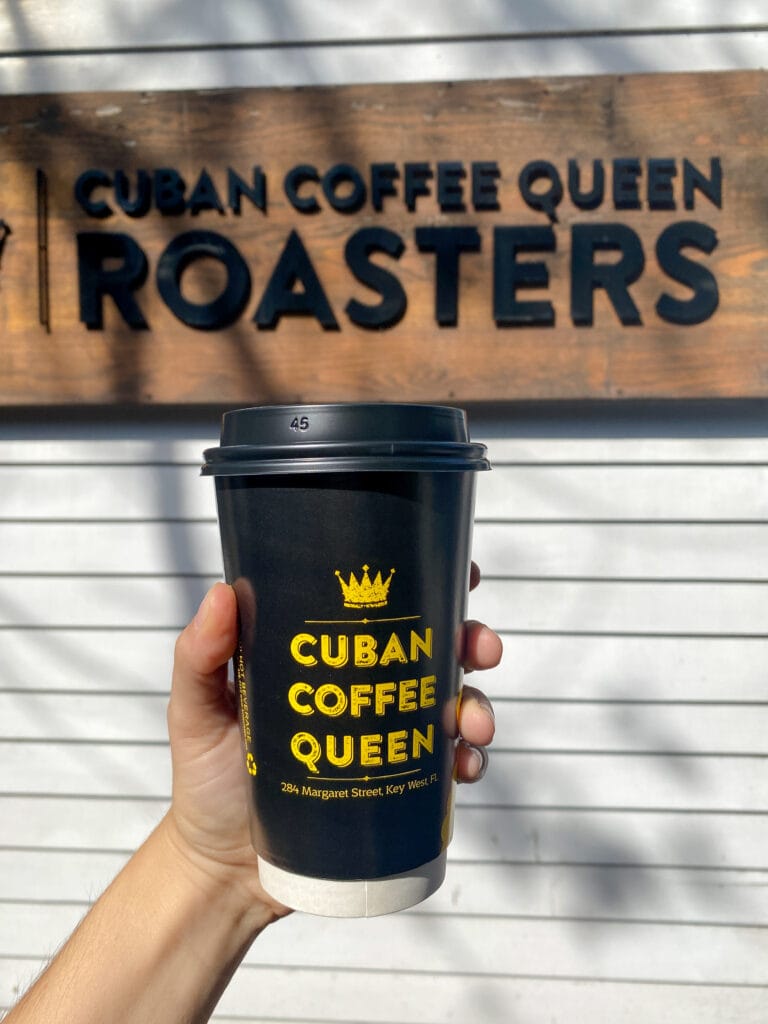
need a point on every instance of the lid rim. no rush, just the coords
(285, 467)
(308, 449)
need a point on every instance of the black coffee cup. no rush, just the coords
(346, 534)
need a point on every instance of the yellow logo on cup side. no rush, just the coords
(365, 592)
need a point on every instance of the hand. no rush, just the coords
(208, 817)
(481, 648)
(209, 809)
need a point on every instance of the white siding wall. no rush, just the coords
(621, 835)
(159, 44)
(614, 864)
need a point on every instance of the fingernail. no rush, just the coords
(478, 762)
(486, 705)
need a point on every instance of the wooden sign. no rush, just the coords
(602, 237)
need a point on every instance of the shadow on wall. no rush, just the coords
(318, 45)
(568, 829)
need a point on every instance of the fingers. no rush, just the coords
(471, 762)
(200, 662)
(476, 721)
(477, 726)
(199, 698)
(481, 647)
(474, 575)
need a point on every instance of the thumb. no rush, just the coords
(199, 698)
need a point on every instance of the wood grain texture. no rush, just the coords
(688, 116)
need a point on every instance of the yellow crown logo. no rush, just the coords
(365, 592)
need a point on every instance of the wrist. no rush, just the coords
(232, 888)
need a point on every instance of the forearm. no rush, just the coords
(158, 947)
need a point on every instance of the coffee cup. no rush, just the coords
(346, 533)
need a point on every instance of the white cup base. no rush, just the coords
(332, 898)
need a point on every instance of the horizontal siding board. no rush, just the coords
(87, 659)
(623, 607)
(336, 64)
(504, 449)
(594, 550)
(385, 998)
(32, 930)
(631, 668)
(623, 781)
(611, 448)
(76, 877)
(47, 24)
(70, 823)
(520, 725)
(482, 945)
(595, 493)
(103, 451)
(534, 667)
(258, 994)
(93, 770)
(624, 492)
(638, 551)
(676, 729)
(680, 896)
(101, 602)
(137, 718)
(528, 605)
(580, 780)
(482, 835)
(498, 945)
(174, 548)
(613, 893)
(610, 837)
(113, 492)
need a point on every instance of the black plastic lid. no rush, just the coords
(359, 437)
